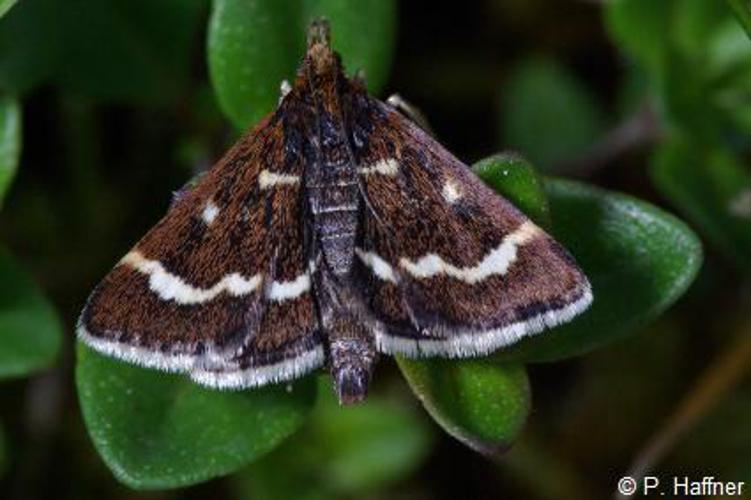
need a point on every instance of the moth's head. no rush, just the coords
(320, 59)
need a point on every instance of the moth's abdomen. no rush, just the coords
(335, 218)
(352, 357)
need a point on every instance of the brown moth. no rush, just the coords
(335, 230)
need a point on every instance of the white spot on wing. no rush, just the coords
(380, 267)
(171, 287)
(284, 89)
(451, 191)
(496, 262)
(210, 211)
(267, 179)
(388, 166)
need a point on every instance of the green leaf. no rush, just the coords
(250, 52)
(358, 449)
(513, 177)
(29, 45)
(713, 189)
(255, 44)
(156, 430)
(729, 53)
(125, 50)
(697, 57)
(639, 259)
(129, 50)
(481, 402)
(693, 22)
(730, 64)
(651, 32)
(684, 97)
(706, 54)
(10, 142)
(30, 331)
(367, 445)
(538, 94)
(640, 27)
(5, 6)
(742, 10)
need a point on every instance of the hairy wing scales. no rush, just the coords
(437, 226)
(226, 339)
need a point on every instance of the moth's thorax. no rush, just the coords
(321, 61)
(331, 182)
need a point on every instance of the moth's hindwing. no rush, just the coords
(447, 266)
(220, 287)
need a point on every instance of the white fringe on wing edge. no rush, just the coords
(282, 371)
(468, 343)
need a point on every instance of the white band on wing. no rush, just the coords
(497, 261)
(285, 290)
(380, 267)
(172, 287)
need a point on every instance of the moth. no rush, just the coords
(334, 231)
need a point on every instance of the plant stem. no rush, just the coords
(543, 473)
(640, 129)
(717, 381)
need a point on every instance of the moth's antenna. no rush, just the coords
(319, 32)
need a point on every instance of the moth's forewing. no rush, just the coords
(448, 266)
(220, 286)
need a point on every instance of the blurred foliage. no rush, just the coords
(549, 114)
(722, 441)
(5, 6)
(123, 100)
(30, 331)
(2, 452)
(698, 60)
(115, 50)
(342, 451)
(742, 10)
(719, 199)
(10, 142)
